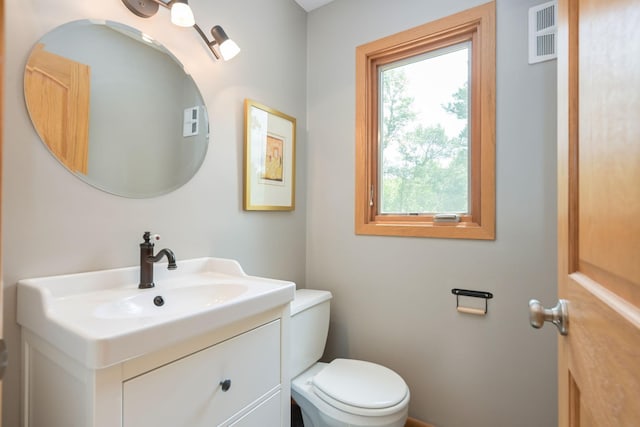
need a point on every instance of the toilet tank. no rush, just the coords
(309, 328)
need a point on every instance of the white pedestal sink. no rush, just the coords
(99, 335)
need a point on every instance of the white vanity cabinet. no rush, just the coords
(230, 377)
(207, 346)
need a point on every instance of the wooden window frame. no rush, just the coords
(476, 25)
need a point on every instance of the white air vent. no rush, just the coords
(543, 32)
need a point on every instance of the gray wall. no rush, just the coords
(54, 223)
(392, 296)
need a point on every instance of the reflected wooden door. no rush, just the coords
(57, 95)
(599, 211)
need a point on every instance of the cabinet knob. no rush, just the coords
(226, 385)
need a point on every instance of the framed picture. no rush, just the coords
(269, 159)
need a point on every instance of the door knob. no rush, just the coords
(558, 315)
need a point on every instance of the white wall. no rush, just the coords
(392, 296)
(54, 223)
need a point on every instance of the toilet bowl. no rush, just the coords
(344, 392)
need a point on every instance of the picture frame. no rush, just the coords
(269, 158)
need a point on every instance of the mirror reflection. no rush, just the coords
(116, 108)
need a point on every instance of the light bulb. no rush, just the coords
(229, 49)
(182, 15)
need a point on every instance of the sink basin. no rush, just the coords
(169, 302)
(101, 318)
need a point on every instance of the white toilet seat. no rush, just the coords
(361, 388)
(317, 412)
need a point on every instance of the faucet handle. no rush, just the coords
(147, 236)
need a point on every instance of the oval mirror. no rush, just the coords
(116, 108)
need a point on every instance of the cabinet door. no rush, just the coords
(189, 391)
(265, 414)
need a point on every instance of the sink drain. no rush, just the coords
(158, 301)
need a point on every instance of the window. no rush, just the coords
(425, 134)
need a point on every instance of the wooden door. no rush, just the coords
(57, 95)
(599, 211)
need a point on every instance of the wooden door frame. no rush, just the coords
(567, 164)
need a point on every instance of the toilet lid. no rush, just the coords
(359, 385)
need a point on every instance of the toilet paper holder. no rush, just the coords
(475, 294)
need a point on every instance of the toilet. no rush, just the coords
(344, 392)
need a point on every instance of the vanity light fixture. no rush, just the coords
(182, 16)
(228, 48)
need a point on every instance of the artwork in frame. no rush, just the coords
(269, 159)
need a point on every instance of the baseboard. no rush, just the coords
(412, 422)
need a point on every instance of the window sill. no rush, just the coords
(459, 230)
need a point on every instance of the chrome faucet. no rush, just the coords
(147, 259)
